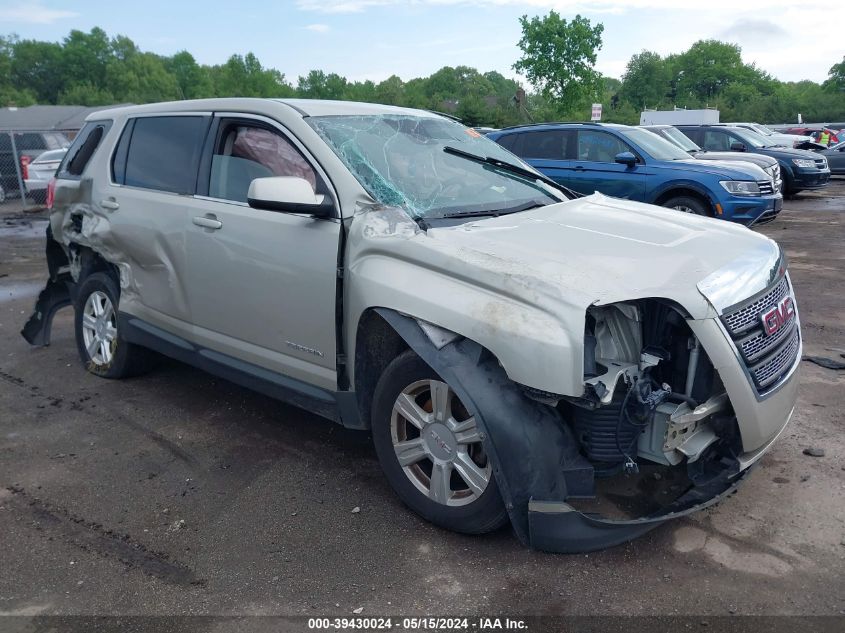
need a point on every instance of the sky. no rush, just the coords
(373, 39)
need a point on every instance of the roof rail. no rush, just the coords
(513, 127)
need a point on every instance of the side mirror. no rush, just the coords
(626, 158)
(738, 147)
(289, 195)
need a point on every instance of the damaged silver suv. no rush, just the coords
(518, 353)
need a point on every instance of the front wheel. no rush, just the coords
(431, 449)
(687, 204)
(101, 347)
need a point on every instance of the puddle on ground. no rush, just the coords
(11, 290)
(23, 227)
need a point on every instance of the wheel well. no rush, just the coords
(689, 193)
(376, 344)
(89, 262)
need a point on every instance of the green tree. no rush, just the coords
(243, 76)
(836, 77)
(86, 94)
(646, 80)
(192, 79)
(318, 85)
(559, 57)
(391, 91)
(37, 67)
(85, 57)
(143, 78)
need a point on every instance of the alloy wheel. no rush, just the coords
(438, 444)
(99, 328)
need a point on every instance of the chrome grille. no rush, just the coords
(768, 372)
(759, 344)
(766, 187)
(746, 317)
(821, 163)
(768, 358)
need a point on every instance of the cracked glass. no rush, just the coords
(402, 160)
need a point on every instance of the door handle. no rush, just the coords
(208, 221)
(109, 204)
(579, 168)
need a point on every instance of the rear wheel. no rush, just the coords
(102, 349)
(431, 449)
(688, 204)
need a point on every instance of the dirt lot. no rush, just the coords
(180, 493)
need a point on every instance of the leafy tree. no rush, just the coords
(245, 77)
(836, 77)
(193, 80)
(86, 56)
(143, 78)
(318, 85)
(86, 94)
(558, 57)
(646, 80)
(38, 67)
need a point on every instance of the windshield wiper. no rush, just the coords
(509, 167)
(525, 206)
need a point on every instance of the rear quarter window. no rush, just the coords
(83, 148)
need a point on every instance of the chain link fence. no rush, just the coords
(28, 161)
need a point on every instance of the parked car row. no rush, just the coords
(25, 156)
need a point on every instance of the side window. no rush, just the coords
(507, 141)
(599, 147)
(82, 149)
(163, 153)
(246, 152)
(731, 139)
(551, 144)
(30, 141)
(715, 141)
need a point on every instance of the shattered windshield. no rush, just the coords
(403, 160)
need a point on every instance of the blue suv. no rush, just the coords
(633, 163)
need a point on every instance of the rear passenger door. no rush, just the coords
(548, 151)
(145, 212)
(595, 167)
(262, 283)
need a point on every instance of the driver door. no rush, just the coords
(262, 283)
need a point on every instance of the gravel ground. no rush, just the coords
(179, 493)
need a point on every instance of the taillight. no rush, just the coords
(25, 160)
(51, 192)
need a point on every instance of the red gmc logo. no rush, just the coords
(778, 316)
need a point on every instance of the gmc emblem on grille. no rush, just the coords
(777, 317)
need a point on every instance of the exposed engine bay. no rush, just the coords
(652, 394)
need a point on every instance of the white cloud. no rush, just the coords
(33, 13)
(318, 28)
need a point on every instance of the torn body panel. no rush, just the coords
(536, 457)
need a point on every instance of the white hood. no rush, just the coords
(601, 250)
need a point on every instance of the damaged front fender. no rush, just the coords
(535, 456)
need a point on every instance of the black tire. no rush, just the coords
(485, 514)
(126, 359)
(695, 205)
